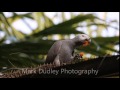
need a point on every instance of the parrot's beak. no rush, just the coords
(86, 42)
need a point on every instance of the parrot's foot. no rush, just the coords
(77, 56)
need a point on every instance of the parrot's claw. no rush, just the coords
(77, 56)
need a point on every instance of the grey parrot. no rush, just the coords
(62, 51)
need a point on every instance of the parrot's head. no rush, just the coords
(82, 39)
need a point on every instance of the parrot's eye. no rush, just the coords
(82, 35)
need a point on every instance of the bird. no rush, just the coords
(62, 51)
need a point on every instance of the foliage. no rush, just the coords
(31, 49)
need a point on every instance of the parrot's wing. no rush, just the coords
(53, 52)
(57, 60)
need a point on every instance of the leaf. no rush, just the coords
(2, 39)
(44, 45)
(63, 16)
(62, 30)
(16, 17)
(60, 27)
(42, 20)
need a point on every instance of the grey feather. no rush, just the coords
(62, 50)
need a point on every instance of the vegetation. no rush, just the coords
(26, 50)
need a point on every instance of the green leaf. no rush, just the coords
(62, 26)
(62, 30)
(2, 39)
(44, 45)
